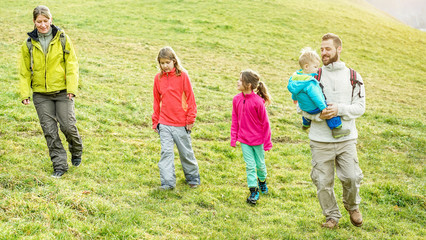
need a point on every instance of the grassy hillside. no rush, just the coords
(114, 195)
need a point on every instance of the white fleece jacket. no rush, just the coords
(338, 89)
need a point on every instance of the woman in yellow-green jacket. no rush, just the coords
(49, 70)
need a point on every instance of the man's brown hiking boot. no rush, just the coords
(356, 217)
(330, 224)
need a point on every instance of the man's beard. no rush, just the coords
(330, 59)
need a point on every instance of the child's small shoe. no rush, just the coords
(263, 187)
(254, 196)
(305, 127)
(306, 123)
(340, 132)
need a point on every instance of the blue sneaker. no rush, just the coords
(262, 186)
(254, 196)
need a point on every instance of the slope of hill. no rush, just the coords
(113, 194)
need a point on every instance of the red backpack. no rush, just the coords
(353, 80)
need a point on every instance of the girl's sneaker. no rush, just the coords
(254, 196)
(262, 186)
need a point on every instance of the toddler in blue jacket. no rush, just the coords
(307, 92)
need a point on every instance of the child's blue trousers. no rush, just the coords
(254, 156)
(332, 122)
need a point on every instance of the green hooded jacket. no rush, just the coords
(51, 73)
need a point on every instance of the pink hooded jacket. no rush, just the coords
(250, 123)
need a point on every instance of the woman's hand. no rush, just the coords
(70, 96)
(26, 101)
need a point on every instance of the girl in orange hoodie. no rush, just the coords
(173, 118)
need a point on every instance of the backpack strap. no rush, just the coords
(318, 78)
(353, 79)
(354, 82)
(63, 39)
(30, 50)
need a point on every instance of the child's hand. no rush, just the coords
(189, 127)
(155, 130)
(295, 101)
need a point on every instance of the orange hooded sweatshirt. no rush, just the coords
(174, 101)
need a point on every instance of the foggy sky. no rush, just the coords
(410, 12)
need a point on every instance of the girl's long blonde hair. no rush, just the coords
(253, 78)
(169, 53)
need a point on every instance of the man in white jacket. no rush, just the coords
(340, 153)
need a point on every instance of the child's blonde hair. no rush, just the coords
(253, 78)
(308, 55)
(169, 53)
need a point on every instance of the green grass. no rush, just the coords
(113, 194)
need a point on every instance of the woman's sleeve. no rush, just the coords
(71, 67)
(24, 73)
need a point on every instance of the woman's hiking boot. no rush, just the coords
(76, 161)
(58, 174)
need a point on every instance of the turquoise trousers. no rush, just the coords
(254, 156)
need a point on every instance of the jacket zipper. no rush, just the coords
(45, 62)
(45, 72)
(244, 105)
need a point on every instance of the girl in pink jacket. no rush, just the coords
(250, 127)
